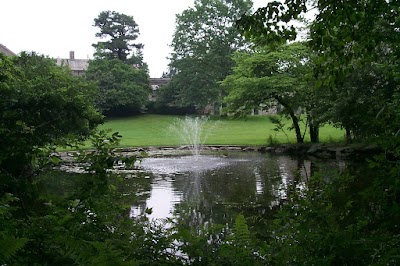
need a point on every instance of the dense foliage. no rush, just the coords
(350, 219)
(48, 217)
(205, 38)
(270, 78)
(41, 105)
(123, 89)
(355, 54)
(120, 32)
(118, 68)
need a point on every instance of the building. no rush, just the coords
(77, 66)
(156, 83)
(4, 50)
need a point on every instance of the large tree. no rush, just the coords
(120, 32)
(341, 33)
(353, 40)
(205, 38)
(272, 75)
(41, 104)
(123, 89)
(118, 68)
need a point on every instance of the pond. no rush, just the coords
(218, 186)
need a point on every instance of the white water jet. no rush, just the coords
(193, 132)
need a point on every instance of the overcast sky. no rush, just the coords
(55, 27)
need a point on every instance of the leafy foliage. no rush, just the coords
(266, 76)
(123, 89)
(364, 103)
(357, 49)
(119, 70)
(41, 105)
(10, 245)
(121, 31)
(341, 33)
(349, 219)
(203, 42)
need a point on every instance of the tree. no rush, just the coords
(121, 31)
(357, 43)
(363, 103)
(42, 222)
(41, 105)
(341, 33)
(270, 74)
(120, 72)
(205, 38)
(353, 40)
(123, 89)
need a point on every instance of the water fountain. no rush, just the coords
(215, 181)
(192, 131)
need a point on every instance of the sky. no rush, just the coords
(56, 27)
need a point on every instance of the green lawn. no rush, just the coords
(154, 130)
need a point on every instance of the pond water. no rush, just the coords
(219, 186)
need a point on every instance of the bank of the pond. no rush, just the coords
(318, 150)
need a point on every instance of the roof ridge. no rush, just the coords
(5, 50)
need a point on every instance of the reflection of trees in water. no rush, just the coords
(252, 188)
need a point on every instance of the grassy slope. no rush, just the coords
(154, 130)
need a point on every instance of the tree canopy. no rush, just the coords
(270, 76)
(352, 40)
(203, 42)
(120, 32)
(342, 32)
(118, 68)
(123, 89)
(41, 104)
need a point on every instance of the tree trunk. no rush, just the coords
(295, 120)
(348, 136)
(296, 126)
(314, 132)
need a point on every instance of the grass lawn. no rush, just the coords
(155, 130)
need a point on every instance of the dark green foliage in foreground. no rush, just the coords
(84, 220)
(41, 105)
(347, 220)
(214, 244)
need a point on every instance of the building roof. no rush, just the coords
(74, 64)
(4, 50)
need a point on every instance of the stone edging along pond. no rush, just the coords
(319, 150)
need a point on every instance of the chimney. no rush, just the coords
(72, 55)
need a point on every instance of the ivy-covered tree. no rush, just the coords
(120, 32)
(277, 75)
(204, 40)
